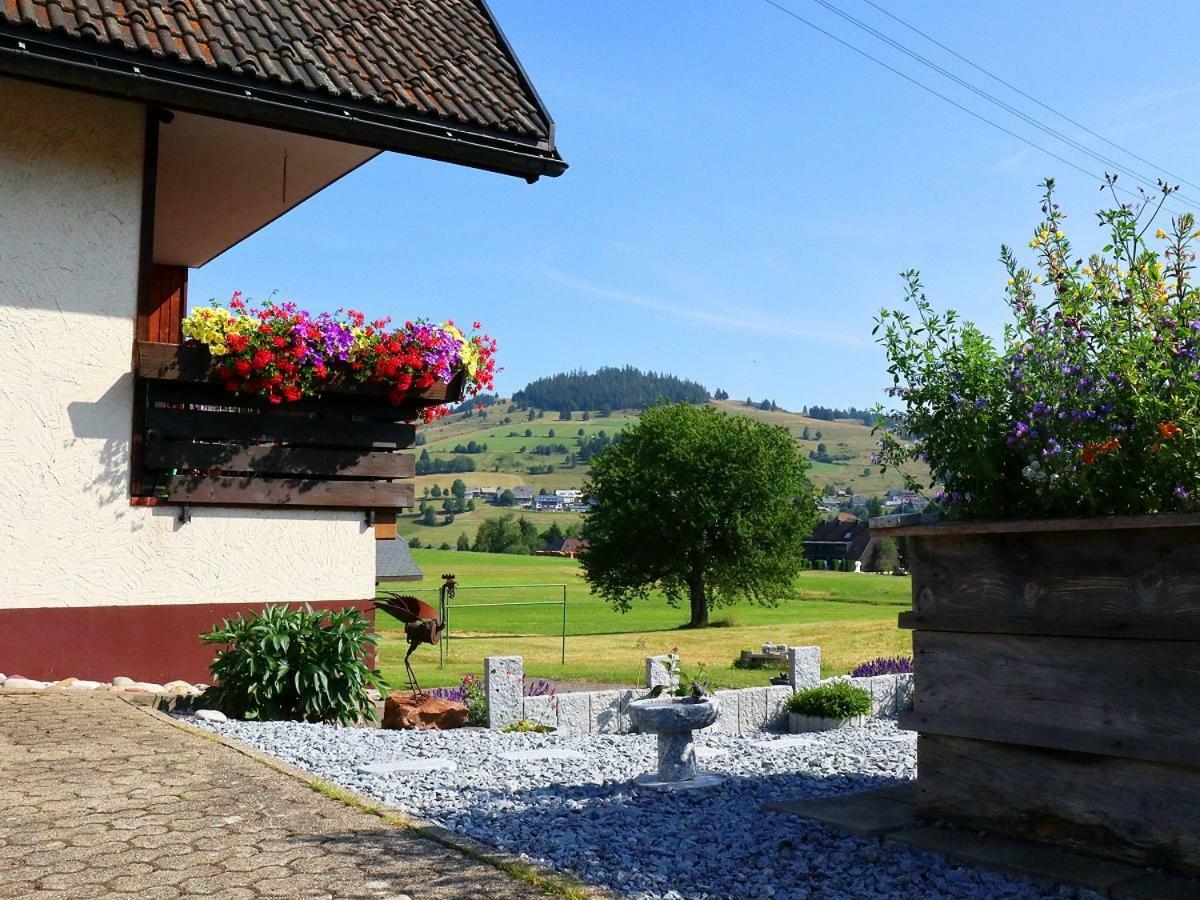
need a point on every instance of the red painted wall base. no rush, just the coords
(146, 643)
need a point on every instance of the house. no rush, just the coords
(835, 543)
(522, 495)
(569, 495)
(394, 562)
(567, 547)
(139, 140)
(549, 503)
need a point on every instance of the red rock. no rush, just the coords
(405, 711)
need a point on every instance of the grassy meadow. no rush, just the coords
(851, 616)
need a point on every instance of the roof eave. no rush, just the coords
(91, 68)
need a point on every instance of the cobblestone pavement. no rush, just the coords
(100, 799)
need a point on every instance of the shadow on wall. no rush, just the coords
(107, 419)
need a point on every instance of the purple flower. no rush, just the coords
(884, 665)
(1181, 492)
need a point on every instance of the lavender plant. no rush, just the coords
(883, 665)
(1089, 407)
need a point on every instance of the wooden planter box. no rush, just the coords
(1057, 676)
(195, 443)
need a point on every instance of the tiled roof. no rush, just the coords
(443, 60)
(394, 562)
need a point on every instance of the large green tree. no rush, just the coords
(709, 508)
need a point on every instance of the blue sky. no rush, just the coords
(743, 191)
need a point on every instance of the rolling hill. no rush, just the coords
(513, 449)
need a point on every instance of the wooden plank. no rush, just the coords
(277, 460)
(188, 362)
(277, 426)
(1086, 693)
(1149, 576)
(1144, 812)
(1117, 627)
(296, 492)
(333, 405)
(983, 727)
(1031, 526)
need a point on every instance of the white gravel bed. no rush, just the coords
(582, 815)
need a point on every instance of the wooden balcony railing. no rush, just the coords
(196, 443)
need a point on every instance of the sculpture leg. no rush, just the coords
(412, 677)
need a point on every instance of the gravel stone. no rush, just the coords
(586, 817)
(210, 715)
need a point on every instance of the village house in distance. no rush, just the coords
(138, 141)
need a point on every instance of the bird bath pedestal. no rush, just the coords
(674, 719)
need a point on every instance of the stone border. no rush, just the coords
(743, 710)
(542, 877)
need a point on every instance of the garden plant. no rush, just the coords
(299, 664)
(1090, 405)
(839, 700)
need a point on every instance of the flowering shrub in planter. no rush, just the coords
(1090, 405)
(282, 353)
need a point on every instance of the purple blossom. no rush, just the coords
(883, 665)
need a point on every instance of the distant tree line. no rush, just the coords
(607, 389)
(429, 466)
(829, 413)
(509, 534)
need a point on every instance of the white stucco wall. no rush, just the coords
(70, 206)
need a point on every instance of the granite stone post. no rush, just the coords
(804, 667)
(658, 672)
(503, 688)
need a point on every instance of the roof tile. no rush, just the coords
(438, 58)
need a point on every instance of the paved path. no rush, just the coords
(100, 799)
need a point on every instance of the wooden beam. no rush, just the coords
(277, 460)
(1128, 628)
(297, 429)
(294, 492)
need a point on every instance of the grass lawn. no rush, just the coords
(851, 616)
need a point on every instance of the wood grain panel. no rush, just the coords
(1102, 578)
(1136, 692)
(298, 429)
(260, 491)
(277, 460)
(1144, 812)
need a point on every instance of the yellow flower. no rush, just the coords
(1059, 235)
(1086, 270)
(1037, 279)
(1011, 282)
(1160, 234)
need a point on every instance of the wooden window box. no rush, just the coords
(195, 443)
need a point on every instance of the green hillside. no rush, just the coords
(512, 456)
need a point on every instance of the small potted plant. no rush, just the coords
(827, 707)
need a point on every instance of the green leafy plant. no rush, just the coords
(294, 664)
(839, 700)
(473, 696)
(1089, 406)
(695, 685)
(526, 727)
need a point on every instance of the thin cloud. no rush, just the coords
(745, 320)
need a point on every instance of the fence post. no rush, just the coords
(504, 689)
(804, 667)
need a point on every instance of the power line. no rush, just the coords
(994, 100)
(938, 94)
(1012, 87)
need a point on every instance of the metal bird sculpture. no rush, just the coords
(422, 625)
